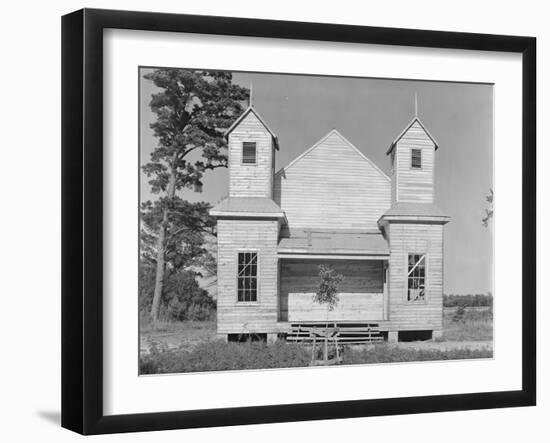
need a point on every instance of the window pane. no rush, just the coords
(416, 158)
(249, 152)
(416, 277)
(247, 276)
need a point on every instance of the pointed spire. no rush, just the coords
(415, 105)
(251, 96)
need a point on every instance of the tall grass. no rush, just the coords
(467, 324)
(220, 356)
(385, 353)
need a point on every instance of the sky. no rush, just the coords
(371, 113)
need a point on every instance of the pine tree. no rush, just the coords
(193, 109)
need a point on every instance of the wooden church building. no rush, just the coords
(333, 206)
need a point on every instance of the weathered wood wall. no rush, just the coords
(332, 186)
(248, 180)
(247, 235)
(351, 307)
(414, 185)
(302, 276)
(421, 239)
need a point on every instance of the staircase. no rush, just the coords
(345, 333)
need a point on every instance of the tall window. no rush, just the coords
(416, 278)
(249, 153)
(416, 158)
(247, 278)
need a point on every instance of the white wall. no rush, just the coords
(30, 186)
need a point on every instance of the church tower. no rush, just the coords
(412, 160)
(251, 154)
(248, 224)
(413, 227)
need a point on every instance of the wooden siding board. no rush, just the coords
(243, 235)
(415, 238)
(414, 185)
(251, 180)
(350, 307)
(332, 186)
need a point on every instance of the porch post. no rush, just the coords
(385, 296)
(278, 289)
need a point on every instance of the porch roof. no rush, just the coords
(247, 207)
(334, 242)
(420, 212)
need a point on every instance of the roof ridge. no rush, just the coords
(259, 117)
(404, 131)
(321, 140)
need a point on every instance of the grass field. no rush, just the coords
(194, 346)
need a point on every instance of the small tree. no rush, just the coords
(327, 294)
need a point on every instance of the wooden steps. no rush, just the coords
(343, 333)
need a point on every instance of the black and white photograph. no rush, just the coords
(303, 220)
(275, 222)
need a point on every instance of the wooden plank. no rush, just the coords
(251, 180)
(350, 307)
(344, 190)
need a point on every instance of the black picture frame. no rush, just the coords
(82, 216)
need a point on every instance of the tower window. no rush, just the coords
(416, 158)
(247, 277)
(249, 153)
(416, 277)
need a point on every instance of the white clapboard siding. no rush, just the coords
(414, 185)
(247, 235)
(332, 186)
(350, 307)
(421, 239)
(251, 180)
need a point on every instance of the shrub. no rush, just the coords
(182, 297)
(459, 314)
(469, 300)
(471, 324)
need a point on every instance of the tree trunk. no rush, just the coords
(161, 265)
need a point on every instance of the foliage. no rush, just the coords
(185, 227)
(385, 353)
(183, 298)
(328, 287)
(459, 314)
(192, 109)
(489, 210)
(471, 324)
(453, 300)
(219, 356)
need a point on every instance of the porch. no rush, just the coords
(360, 256)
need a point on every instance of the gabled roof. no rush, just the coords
(247, 207)
(345, 140)
(330, 241)
(249, 110)
(413, 121)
